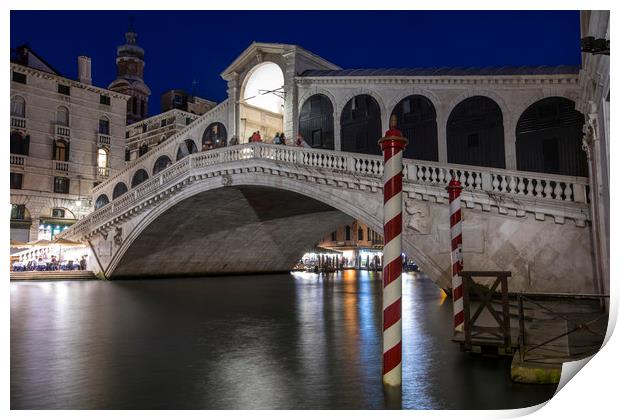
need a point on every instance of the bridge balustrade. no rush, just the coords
(491, 181)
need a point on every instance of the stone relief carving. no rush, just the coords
(226, 180)
(118, 236)
(417, 216)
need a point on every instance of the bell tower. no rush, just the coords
(130, 76)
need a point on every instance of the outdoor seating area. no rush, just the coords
(44, 255)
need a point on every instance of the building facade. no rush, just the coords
(358, 244)
(146, 134)
(594, 103)
(179, 99)
(66, 136)
(130, 77)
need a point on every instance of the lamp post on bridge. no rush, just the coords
(392, 146)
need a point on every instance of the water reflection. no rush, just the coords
(272, 341)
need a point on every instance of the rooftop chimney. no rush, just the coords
(84, 75)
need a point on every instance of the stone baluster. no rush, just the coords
(520, 186)
(504, 184)
(568, 193)
(442, 176)
(539, 188)
(557, 191)
(495, 182)
(548, 190)
(478, 181)
(470, 180)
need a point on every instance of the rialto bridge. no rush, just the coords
(511, 135)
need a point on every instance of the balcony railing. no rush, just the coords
(18, 122)
(61, 166)
(19, 160)
(63, 131)
(103, 139)
(103, 172)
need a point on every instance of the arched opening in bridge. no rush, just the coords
(261, 107)
(186, 148)
(316, 122)
(214, 136)
(119, 189)
(417, 120)
(283, 225)
(101, 201)
(549, 134)
(161, 163)
(139, 177)
(475, 133)
(360, 125)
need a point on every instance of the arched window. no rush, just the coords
(186, 148)
(139, 177)
(101, 201)
(347, 233)
(416, 118)
(62, 116)
(119, 189)
(361, 125)
(19, 144)
(18, 107)
(476, 133)
(104, 126)
(161, 163)
(549, 136)
(143, 149)
(316, 122)
(214, 136)
(102, 157)
(61, 150)
(360, 234)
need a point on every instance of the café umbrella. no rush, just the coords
(62, 242)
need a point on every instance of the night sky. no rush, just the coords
(184, 46)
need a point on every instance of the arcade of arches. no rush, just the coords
(548, 133)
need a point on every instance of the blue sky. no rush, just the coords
(182, 46)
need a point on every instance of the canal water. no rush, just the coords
(283, 341)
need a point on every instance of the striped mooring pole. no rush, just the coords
(392, 146)
(456, 235)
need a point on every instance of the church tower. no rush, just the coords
(130, 76)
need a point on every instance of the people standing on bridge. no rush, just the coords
(282, 139)
(276, 139)
(300, 142)
(256, 138)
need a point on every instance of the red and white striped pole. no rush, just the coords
(456, 235)
(392, 145)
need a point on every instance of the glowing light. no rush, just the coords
(265, 77)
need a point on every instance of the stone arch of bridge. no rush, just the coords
(342, 203)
